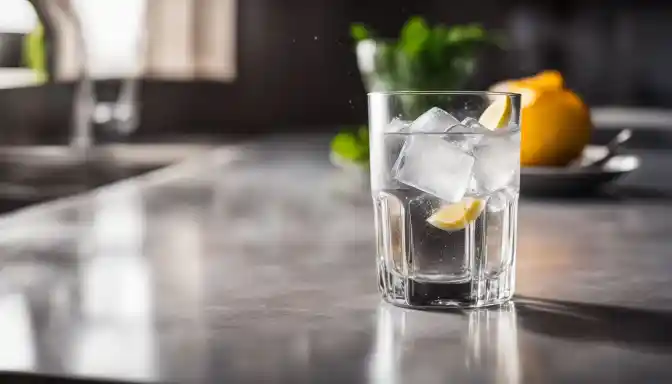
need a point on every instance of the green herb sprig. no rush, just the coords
(427, 58)
(422, 58)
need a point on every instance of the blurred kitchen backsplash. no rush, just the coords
(249, 66)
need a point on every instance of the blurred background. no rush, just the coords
(227, 67)
(96, 91)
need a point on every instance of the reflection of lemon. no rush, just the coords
(456, 216)
(555, 122)
(497, 114)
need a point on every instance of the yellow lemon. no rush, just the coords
(545, 79)
(456, 216)
(555, 123)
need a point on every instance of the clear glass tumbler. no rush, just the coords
(445, 176)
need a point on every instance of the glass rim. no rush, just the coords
(456, 93)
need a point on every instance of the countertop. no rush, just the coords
(255, 264)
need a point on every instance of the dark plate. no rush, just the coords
(566, 181)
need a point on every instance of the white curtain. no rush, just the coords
(168, 39)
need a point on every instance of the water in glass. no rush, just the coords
(445, 194)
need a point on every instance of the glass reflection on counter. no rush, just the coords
(493, 343)
(116, 337)
(439, 347)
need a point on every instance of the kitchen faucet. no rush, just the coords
(67, 27)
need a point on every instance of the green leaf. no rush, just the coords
(359, 32)
(414, 35)
(440, 32)
(345, 144)
(352, 146)
(436, 48)
(469, 32)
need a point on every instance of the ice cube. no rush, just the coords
(497, 163)
(467, 134)
(435, 166)
(398, 126)
(394, 138)
(474, 126)
(435, 120)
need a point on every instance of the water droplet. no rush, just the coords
(315, 38)
(293, 40)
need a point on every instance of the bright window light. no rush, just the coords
(17, 16)
(113, 33)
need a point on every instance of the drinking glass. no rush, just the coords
(445, 171)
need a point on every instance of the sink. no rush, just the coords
(31, 378)
(32, 174)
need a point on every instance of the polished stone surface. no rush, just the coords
(255, 264)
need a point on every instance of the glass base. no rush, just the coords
(469, 293)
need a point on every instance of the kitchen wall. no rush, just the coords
(615, 52)
(296, 69)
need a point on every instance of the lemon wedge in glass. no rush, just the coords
(452, 217)
(497, 114)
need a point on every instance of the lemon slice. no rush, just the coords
(497, 114)
(456, 216)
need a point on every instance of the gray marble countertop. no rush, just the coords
(255, 264)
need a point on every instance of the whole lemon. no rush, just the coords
(555, 123)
